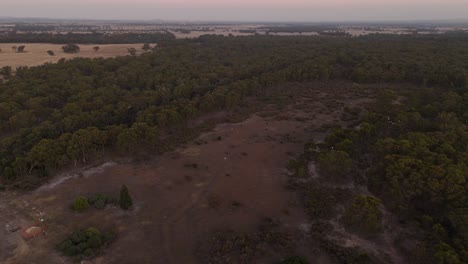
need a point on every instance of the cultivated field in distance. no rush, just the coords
(36, 53)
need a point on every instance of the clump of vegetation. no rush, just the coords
(6, 72)
(146, 47)
(346, 254)
(298, 167)
(71, 48)
(99, 201)
(85, 243)
(364, 215)
(294, 260)
(336, 164)
(132, 51)
(125, 200)
(96, 48)
(236, 247)
(319, 200)
(20, 49)
(80, 204)
(51, 52)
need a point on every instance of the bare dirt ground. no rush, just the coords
(228, 179)
(36, 53)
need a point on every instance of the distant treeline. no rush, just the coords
(320, 29)
(91, 38)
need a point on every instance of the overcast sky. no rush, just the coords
(246, 10)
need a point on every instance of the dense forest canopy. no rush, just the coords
(414, 156)
(57, 114)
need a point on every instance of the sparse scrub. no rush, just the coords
(236, 247)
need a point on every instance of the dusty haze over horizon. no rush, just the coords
(246, 10)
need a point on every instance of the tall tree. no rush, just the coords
(125, 200)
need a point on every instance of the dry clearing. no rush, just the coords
(231, 178)
(36, 53)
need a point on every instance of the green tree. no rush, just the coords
(20, 49)
(146, 47)
(132, 51)
(125, 200)
(71, 48)
(6, 71)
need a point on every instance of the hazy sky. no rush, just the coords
(253, 10)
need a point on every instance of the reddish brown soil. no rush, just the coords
(227, 179)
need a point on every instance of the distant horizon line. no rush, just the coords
(446, 20)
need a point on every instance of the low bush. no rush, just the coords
(335, 164)
(99, 201)
(84, 243)
(80, 204)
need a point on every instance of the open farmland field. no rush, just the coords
(36, 53)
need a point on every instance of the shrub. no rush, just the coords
(364, 214)
(80, 204)
(125, 200)
(146, 47)
(51, 52)
(299, 167)
(132, 51)
(334, 163)
(319, 201)
(99, 201)
(84, 242)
